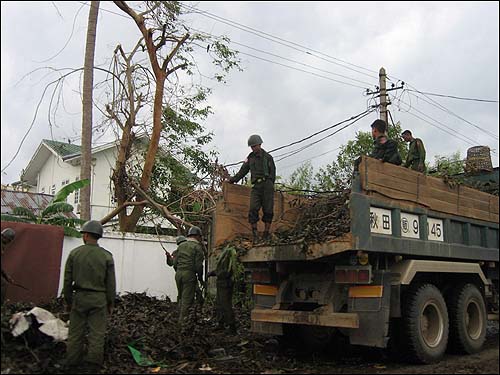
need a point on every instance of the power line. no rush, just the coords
(441, 107)
(325, 137)
(311, 158)
(451, 132)
(301, 70)
(356, 118)
(456, 97)
(278, 40)
(297, 62)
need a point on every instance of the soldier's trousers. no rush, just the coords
(262, 195)
(224, 302)
(186, 287)
(89, 311)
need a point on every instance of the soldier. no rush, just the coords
(188, 264)
(385, 149)
(263, 173)
(170, 261)
(8, 235)
(416, 152)
(89, 292)
(225, 264)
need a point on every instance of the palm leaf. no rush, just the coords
(24, 212)
(62, 194)
(57, 207)
(17, 219)
(71, 232)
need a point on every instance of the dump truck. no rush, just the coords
(416, 271)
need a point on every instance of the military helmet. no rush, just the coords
(8, 235)
(194, 231)
(180, 239)
(254, 139)
(92, 226)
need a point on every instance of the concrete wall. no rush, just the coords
(140, 263)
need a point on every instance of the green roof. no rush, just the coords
(63, 149)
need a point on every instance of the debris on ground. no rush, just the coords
(149, 325)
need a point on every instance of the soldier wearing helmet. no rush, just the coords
(8, 235)
(170, 261)
(89, 292)
(262, 170)
(188, 264)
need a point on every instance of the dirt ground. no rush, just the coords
(149, 326)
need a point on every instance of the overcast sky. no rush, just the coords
(293, 56)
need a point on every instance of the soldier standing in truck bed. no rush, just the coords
(384, 149)
(416, 152)
(262, 170)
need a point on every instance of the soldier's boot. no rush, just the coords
(267, 235)
(232, 329)
(255, 235)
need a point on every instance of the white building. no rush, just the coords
(56, 164)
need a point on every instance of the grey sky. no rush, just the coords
(446, 48)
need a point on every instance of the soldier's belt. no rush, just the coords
(260, 179)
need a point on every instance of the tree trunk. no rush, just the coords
(88, 83)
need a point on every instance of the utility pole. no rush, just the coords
(383, 96)
(88, 83)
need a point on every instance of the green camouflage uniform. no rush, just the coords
(262, 175)
(387, 152)
(416, 155)
(189, 266)
(198, 293)
(224, 271)
(89, 288)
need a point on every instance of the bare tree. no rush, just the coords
(169, 51)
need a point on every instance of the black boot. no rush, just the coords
(267, 236)
(255, 236)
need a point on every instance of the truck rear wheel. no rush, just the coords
(425, 323)
(467, 319)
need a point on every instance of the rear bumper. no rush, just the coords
(315, 318)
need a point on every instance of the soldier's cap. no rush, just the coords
(406, 132)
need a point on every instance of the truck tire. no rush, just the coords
(425, 324)
(467, 319)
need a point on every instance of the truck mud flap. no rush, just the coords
(372, 305)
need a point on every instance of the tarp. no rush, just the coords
(33, 260)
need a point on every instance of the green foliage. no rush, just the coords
(447, 165)
(54, 213)
(301, 179)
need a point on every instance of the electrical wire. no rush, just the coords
(278, 40)
(456, 97)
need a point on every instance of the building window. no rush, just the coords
(65, 182)
(53, 190)
(77, 196)
(43, 190)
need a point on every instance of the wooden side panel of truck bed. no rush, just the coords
(231, 215)
(387, 181)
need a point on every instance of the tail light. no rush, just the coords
(353, 274)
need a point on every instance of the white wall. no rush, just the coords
(140, 264)
(100, 198)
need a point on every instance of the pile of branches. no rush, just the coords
(321, 218)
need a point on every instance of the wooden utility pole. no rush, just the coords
(383, 96)
(88, 85)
